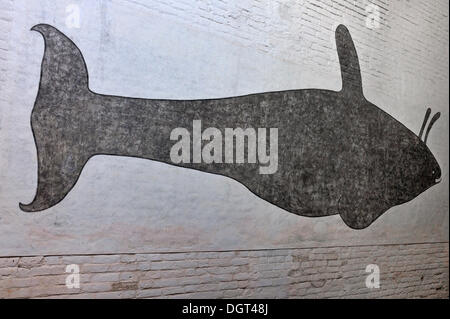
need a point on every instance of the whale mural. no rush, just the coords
(337, 152)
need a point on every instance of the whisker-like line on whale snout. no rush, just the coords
(425, 119)
(432, 121)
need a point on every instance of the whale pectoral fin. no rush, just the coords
(348, 60)
(359, 214)
(57, 174)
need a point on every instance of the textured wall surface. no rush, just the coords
(127, 207)
(406, 271)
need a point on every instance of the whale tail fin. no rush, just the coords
(61, 97)
(63, 68)
(58, 171)
(348, 60)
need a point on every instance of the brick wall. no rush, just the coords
(406, 271)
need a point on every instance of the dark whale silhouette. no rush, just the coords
(337, 152)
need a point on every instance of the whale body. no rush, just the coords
(337, 152)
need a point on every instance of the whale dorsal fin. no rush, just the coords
(63, 66)
(348, 59)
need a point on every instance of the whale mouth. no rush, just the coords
(438, 180)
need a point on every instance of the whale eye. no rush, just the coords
(436, 175)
